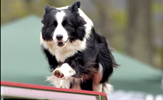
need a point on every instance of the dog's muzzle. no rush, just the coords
(61, 43)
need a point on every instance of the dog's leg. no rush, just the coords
(65, 71)
(97, 86)
(107, 88)
(101, 87)
(61, 77)
(59, 82)
(76, 84)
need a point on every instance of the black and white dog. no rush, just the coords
(77, 54)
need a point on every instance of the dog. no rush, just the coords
(78, 56)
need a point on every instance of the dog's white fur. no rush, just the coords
(60, 29)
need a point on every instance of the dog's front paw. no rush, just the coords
(65, 71)
(58, 73)
(62, 76)
(59, 82)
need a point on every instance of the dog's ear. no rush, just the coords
(74, 7)
(48, 8)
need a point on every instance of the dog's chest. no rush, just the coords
(62, 55)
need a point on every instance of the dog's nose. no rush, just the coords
(59, 37)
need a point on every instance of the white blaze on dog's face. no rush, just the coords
(60, 35)
(65, 24)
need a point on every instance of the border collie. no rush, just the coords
(78, 56)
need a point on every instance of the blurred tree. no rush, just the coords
(110, 22)
(103, 18)
(138, 37)
(157, 8)
(13, 9)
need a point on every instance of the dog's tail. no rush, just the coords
(107, 88)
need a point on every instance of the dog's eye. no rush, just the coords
(65, 24)
(54, 24)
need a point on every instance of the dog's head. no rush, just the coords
(65, 25)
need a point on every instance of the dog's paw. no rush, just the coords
(59, 82)
(62, 76)
(58, 73)
(65, 71)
